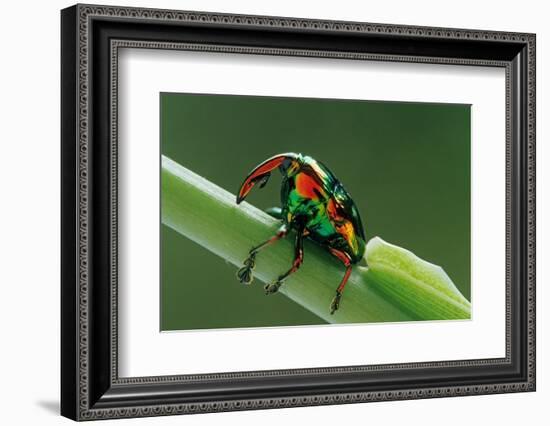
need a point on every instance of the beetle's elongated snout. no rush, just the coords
(260, 175)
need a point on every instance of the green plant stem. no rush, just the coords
(397, 286)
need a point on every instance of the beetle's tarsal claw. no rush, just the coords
(335, 304)
(245, 273)
(273, 287)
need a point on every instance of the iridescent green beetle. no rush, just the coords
(316, 206)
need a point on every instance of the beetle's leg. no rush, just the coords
(245, 273)
(345, 259)
(275, 212)
(298, 259)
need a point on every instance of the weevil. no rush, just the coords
(316, 206)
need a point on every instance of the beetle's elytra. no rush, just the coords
(316, 205)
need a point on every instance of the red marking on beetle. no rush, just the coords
(332, 211)
(308, 187)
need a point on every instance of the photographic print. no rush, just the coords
(299, 211)
(345, 209)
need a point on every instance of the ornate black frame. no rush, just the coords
(91, 37)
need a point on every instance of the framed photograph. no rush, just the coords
(263, 212)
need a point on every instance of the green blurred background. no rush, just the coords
(406, 165)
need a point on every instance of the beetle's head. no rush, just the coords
(288, 164)
(291, 164)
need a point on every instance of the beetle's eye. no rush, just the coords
(286, 164)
